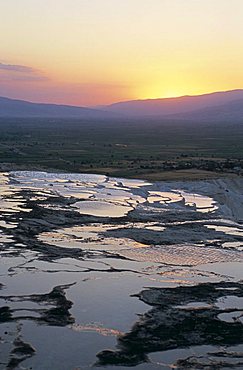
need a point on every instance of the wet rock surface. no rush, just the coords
(78, 251)
(56, 314)
(172, 324)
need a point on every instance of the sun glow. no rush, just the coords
(163, 94)
(100, 52)
(162, 91)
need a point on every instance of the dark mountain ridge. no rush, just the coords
(24, 109)
(219, 106)
(228, 112)
(172, 106)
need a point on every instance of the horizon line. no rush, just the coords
(99, 106)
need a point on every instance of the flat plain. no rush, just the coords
(151, 149)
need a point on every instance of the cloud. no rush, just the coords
(30, 78)
(16, 68)
(16, 72)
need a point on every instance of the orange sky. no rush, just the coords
(88, 52)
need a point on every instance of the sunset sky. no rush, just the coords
(88, 52)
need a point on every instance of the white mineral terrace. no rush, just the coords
(84, 256)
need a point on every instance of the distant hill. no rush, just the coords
(183, 105)
(20, 108)
(218, 106)
(228, 112)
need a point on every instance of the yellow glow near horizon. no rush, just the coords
(101, 51)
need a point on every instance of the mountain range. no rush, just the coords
(218, 106)
(23, 109)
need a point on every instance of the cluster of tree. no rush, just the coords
(235, 166)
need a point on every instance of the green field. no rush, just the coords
(147, 149)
